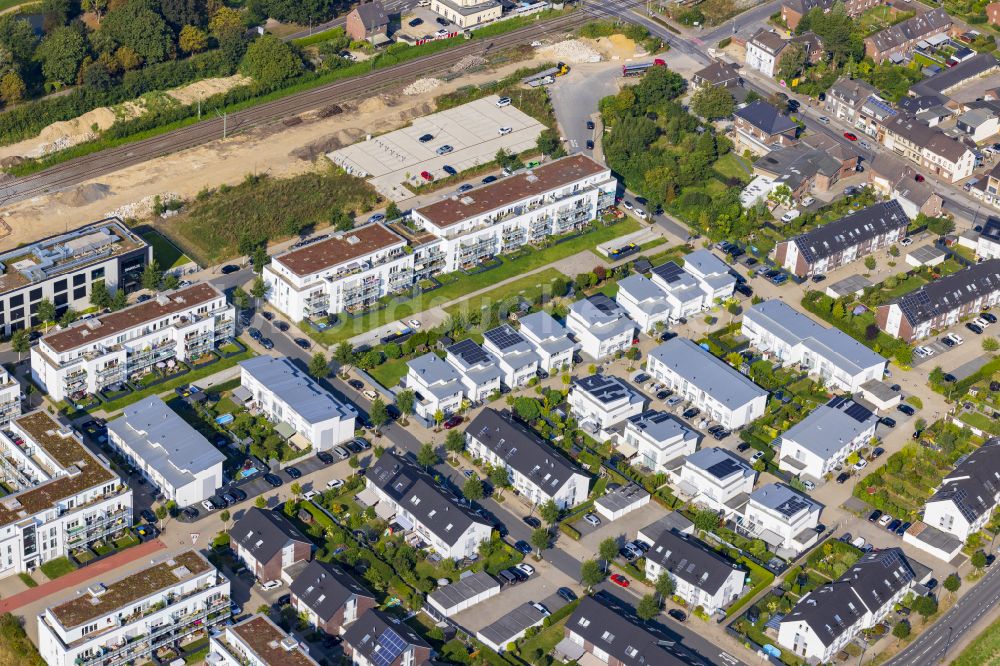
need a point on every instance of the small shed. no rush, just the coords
(622, 501)
(926, 255)
(470, 590)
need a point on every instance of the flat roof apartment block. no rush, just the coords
(599, 403)
(63, 269)
(171, 454)
(107, 350)
(257, 641)
(62, 495)
(10, 397)
(346, 272)
(660, 440)
(437, 384)
(171, 601)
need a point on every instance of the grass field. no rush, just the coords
(732, 165)
(389, 373)
(15, 646)
(167, 254)
(529, 287)
(984, 651)
(60, 566)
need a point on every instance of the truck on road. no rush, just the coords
(640, 68)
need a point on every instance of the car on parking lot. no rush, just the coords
(441, 21)
(975, 328)
(503, 101)
(948, 342)
(464, 188)
(901, 530)
(293, 472)
(566, 594)
(517, 573)
(324, 457)
(641, 378)
(504, 131)
(531, 521)
(988, 317)
(526, 568)
(885, 520)
(888, 422)
(874, 515)
(333, 484)
(757, 455)
(923, 352)
(744, 289)
(309, 494)
(415, 22)
(229, 268)
(228, 499)
(673, 400)
(592, 519)
(452, 422)
(791, 215)
(426, 175)
(743, 446)
(148, 516)
(843, 477)
(619, 580)
(956, 338)
(190, 513)
(893, 525)
(721, 434)
(506, 577)
(522, 547)
(808, 485)
(861, 464)
(208, 506)
(626, 554)
(273, 479)
(981, 322)
(303, 343)
(488, 180)
(691, 413)
(270, 585)
(362, 443)
(341, 452)
(254, 333)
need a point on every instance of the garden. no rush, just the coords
(860, 326)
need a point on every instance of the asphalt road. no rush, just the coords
(933, 645)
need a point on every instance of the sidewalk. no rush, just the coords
(76, 579)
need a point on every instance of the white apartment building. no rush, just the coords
(437, 385)
(763, 51)
(468, 13)
(716, 478)
(701, 576)
(934, 151)
(405, 494)
(601, 402)
(174, 457)
(515, 356)
(660, 440)
(555, 198)
(550, 340)
(537, 472)
(63, 496)
(480, 374)
(109, 349)
(256, 641)
(782, 518)
(966, 498)
(172, 601)
(822, 440)
(601, 326)
(63, 270)
(711, 385)
(10, 398)
(825, 620)
(286, 394)
(839, 360)
(348, 271)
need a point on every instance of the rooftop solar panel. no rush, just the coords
(388, 648)
(669, 272)
(723, 468)
(603, 303)
(792, 506)
(504, 337)
(470, 352)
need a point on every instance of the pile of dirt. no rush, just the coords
(141, 208)
(372, 105)
(422, 109)
(468, 62)
(85, 194)
(206, 88)
(571, 50)
(421, 86)
(617, 47)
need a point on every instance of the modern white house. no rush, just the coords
(763, 51)
(479, 370)
(840, 361)
(601, 326)
(405, 494)
(825, 620)
(10, 398)
(716, 478)
(538, 473)
(782, 518)
(348, 271)
(106, 350)
(437, 384)
(660, 440)
(966, 498)
(174, 457)
(711, 385)
(555, 198)
(644, 302)
(256, 641)
(515, 356)
(62, 496)
(715, 277)
(822, 440)
(702, 577)
(601, 402)
(550, 340)
(172, 600)
(681, 291)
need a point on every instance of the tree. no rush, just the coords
(152, 276)
(341, 221)
(161, 513)
(426, 456)
(181, 13)
(540, 539)
(793, 62)
(127, 59)
(454, 441)
(170, 282)
(20, 342)
(990, 344)
(392, 211)
(608, 550)
(99, 296)
(870, 262)
(438, 417)
(713, 102)
(591, 573)
(378, 414)
(225, 516)
(119, 300)
(343, 354)
(706, 520)
(318, 365)
(260, 502)
(404, 401)
(978, 560)
(269, 61)
(296, 489)
(936, 225)
(952, 583)
(370, 359)
(548, 142)
(259, 289)
(473, 489)
(549, 511)
(901, 630)
(135, 25)
(260, 258)
(12, 88)
(226, 22)
(46, 312)
(664, 585)
(925, 605)
(60, 54)
(240, 298)
(192, 39)
(648, 608)
(500, 478)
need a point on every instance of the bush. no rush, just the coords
(569, 531)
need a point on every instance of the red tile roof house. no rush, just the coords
(268, 543)
(792, 11)
(993, 13)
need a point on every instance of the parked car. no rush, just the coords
(894, 525)
(522, 547)
(488, 180)
(452, 422)
(341, 452)
(662, 395)
(303, 343)
(876, 452)
(531, 521)
(590, 124)
(743, 446)
(324, 457)
(808, 485)
(566, 594)
(148, 516)
(333, 484)
(756, 456)
(540, 608)
(850, 136)
(526, 568)
(975, 328)
(592, 519)
(293, 472)
(691, 413)
(885, 520)
(267, 343)
(874, 515)
(906, 409)
(270, 585)
(843, 477)
(464, 188)
(888, 422)
(641, 378)
(503, 101)
(677, 614)
(619, 580)
(988, 317)
(273, 479)
(228, 269)
(861, 464)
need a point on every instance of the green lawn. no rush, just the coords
(167, 254)
(57, 567)
(458, 284)
(389, 373)
(529, 287)
(732, 165)
(984, 651)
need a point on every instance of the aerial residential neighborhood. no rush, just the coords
(488, 333)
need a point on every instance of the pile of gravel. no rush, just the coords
(421, 86)
(571, 50)
(468, 62)
(141, 208)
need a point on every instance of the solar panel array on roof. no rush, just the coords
(723, 468)
(470, 352)
(603, 303)
(851, 230)
(388, 648)
(669, 272)
(951, 292)
(504, 337)
(792, 506)
(858, 413)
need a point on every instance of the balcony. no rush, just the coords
(317, 303)
(140, 360)
(98, 527)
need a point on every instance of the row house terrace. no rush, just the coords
(64, 497)
(93, 354)
(929, 147)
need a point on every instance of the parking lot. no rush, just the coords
(429, 25)
(472, 131)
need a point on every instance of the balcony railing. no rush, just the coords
(99, 527)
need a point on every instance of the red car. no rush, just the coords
(452, 422)
(426, 175)
(850, 137)
(619, 580)
(919, 178)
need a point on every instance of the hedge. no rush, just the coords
(563, 612)
(570, 531)
(766, 578)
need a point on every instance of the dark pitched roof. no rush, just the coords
(522, 449)
(991, 230)
(925, 136)
(264, 533)
(372, 15)
(718, 72)
(691, 561)
(769, 41)
(918, 27)
(974, 483)
(951, 291)
(766, 118)
(832, 608)
(325, 589)
(622, 635)
(852, 91)
(380, 641)
(850, 230)
(803, 6)
(409, 486)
